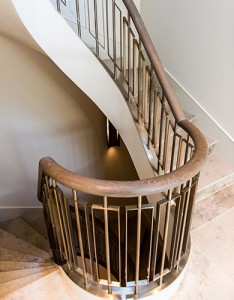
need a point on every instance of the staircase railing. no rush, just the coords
(122, 44)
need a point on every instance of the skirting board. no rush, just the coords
(224, 146)
(27, 213)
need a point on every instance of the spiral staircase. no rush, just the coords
(109, 239)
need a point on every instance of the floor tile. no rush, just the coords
(216, 240)
(213, 206)
(203, 281)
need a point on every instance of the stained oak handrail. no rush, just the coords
(131, 188)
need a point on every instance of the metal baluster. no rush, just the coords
(156, 238)
(96, 27)
(80, 236)
(138, 244)
(129, 54)
(155, 118)
(114, 38)
(150, 110)
(58, 6)
(166, 139)
(175, 234)
(173, 148)
(95, 245)
(139, 82)
(161, 132)
(71, 238)
(124, 49)
(107, 244)
(183, 223)
(78, 18)
(150, 246)
(88, 230)
(165, 236)
(59, 218)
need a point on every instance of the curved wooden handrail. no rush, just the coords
(155, 60)
(131, 188)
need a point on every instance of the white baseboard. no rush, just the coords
(27, 213)
(225, 145)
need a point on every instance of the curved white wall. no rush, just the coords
(62, 45)
(43, 113)
(195, 40)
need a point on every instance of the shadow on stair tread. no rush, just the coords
(7, 276)
(21, 229)
(10, 241)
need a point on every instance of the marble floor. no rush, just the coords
(210, 273)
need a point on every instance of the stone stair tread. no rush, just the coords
(40, 226)
(216, 174)
(6, 266)
(12, 286)
(51, 286)
(16, 274)
(11, 255)
(10, 241)
(24, 231)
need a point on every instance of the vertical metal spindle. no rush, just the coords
(66, 231)
(161, 128)
(175, 233)
(121, 41)
(144, 104)
(124, 50)
(156, 239)
(114, 38)
(165, 235)
(96, 27)
(138, 244)
(166, 139)
(155, 118)
(173, 148)
(139, 81)
(95, 245)
(129, 54)
(78, 18)
(71, 238)
(180, 153)
(88, 230)
(107, 244)
(58, 6)
(107, 28)
(80, 236)
(150, 110)
(184, 223)
(150, 246)
(59, 218)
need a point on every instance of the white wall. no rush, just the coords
(44, 114)
(195, 41)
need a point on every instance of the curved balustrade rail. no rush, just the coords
(116, 242)
(114, 236)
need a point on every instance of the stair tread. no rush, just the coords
(11, 255)
(24, 231)
(10, 241)
(216, 174)
(51, 286)
(12, 286)
(6, 266)
(40, 226)
(16, 274)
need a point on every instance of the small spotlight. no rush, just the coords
(113, 137)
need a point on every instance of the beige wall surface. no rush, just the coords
(195, 40)
(42, 113)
